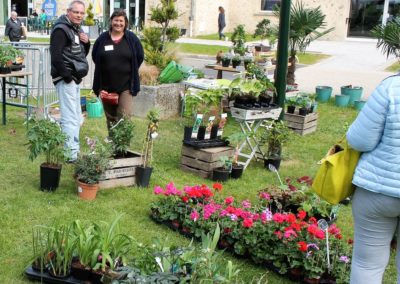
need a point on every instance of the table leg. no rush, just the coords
(219, 74)
(4, 100)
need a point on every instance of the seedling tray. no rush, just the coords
(202, 144)
(17, 67)
(47, 278)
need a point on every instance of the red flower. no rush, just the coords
(312, 220)
(247, 223)
(302, 246)
(228, 230)
(217, 186)
(229, 200)
(350, 241)
(291, 218)
(302, 214)
(185, 199)
(292, 187)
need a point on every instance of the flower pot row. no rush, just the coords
(223, 174)
(349, 96)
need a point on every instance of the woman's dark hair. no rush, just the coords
(119, 13)
(221, 9)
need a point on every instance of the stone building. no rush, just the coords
(197, 17)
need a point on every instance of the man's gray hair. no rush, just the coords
(13, 13)
(76, 2)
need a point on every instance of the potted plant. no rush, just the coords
(274, 135)
(236, 60)
(45, 137)
(8, 54)
(143, 173)
(89, 26)
(226, 60)
(291, 103)
(304, 105)
(236, 139)
(121, 135)
(63, 247)
(222, 173)
(90, 166)
(42, 246)
(250, 90)
(247, 60)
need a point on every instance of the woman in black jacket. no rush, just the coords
(117, 55)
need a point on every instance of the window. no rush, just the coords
(268, 5)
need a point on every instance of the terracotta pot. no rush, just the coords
(87, 191)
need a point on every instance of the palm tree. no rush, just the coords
(306, 25)
(388, 37)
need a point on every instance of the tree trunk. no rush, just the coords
(290, 78)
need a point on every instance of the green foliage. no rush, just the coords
(239, 40)
(263, 29)
(153, 116)
(274, 135)
(45, 137)
(388, 36)
(86, 244)
(89, 20)
(8, 53)
(121, 135)
(247, 86)
(90, 166)
(62, 250)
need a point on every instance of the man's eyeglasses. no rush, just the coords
(77, 12)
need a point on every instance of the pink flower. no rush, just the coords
(344, 259)
(247, 223)
(265, 195)
(279, 218)
(289, 233)
(229, 200)
(194, 215)
(246, 204)
(158, 190)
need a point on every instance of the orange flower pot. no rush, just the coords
(87, 191)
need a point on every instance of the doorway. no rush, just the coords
(366, 14)
(20, 6)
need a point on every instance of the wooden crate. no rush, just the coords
(202, 161)
(122, 172)
(302, 124)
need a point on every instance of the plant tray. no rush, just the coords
(47, 278)
(17, 67)
(202, 144)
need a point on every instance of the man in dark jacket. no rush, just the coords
(14, 27)
(69, 46)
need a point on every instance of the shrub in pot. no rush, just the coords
(236, 60)
(90, 166)
(45, 137)
(226, 60)
(143, 173)
(121, 135)
(291, 103)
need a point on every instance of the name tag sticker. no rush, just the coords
(108, 47)
(76, 39)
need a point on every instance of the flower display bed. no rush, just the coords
(302, 124)
(122, 171)
(273, 232)
(202, 161)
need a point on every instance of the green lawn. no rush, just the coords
(249, 37)
(395, 67)
(311, 58)
(23, 205)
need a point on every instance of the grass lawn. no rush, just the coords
(311, 58)
(249, 37)
(23, 205)
(395, 67)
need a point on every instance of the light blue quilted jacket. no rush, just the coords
(376, 133)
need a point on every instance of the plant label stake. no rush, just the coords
(323, 225)
(272, 168)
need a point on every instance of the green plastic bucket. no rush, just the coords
(342, 100)
(94, 108)
(355, 93)
(171, 73)
(359, 104)
(323, 93)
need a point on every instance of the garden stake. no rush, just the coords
(324, 226)
(273, 169)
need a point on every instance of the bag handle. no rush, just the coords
(332, 149)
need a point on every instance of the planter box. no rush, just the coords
(202, 161)
(302, 124)
(122, 172)
(250, 114)
(165, 97)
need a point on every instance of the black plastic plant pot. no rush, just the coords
(214, 131)
(225, 62)
(235, 63)
(220, 174)
(143, 176)
(49, 177)
(303, 111)
(187, 134)
(291, 109)
(201, 133)
(275, 162)
(5, 70)
(78, 271)
(237, 171)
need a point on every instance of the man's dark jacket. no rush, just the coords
(14, 30)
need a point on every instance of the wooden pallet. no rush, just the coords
(122, 172)
(202, 161)
(302, 124)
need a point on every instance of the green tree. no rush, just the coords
(89, 21)
(239, 40)
(306, 25)
(388, 37)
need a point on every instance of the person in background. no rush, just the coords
(117, 55)
(376, 201)
(69, 46)
(42, 20)
(14, 28)
(221, 22)
(34, 14)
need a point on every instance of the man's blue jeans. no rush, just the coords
(71, 114)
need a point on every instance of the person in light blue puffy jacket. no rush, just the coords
(376, 201)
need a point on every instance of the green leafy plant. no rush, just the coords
(252, 87)
(86, 244)
(121, 135)
(226, 163)
(42, 246)
(45, 137)
(239, 40)
(62, 251)
(306, 25)
(387, 36)
(151, 133)
(89, 20)
(236, 139)
(274, 135)
(91, 165)
(265, 30)
(291, 101)
(8, 54)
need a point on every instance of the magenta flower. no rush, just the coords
(158, 190)
(194, 215)
(265, 195)
(344, 259)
